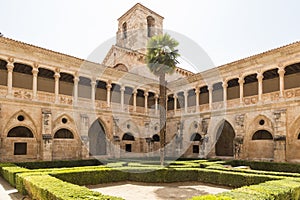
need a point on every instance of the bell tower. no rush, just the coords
(136, 26)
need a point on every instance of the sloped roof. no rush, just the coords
(141, 6)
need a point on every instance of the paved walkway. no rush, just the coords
(152, 191)
(8, 192)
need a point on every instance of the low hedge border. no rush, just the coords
(288, 189)
(267, 166)
(46, 187)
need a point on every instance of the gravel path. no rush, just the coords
(8, 192)
(174, 191)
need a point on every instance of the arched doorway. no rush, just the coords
(97, 138)
(225, 136)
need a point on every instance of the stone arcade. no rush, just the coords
(54, 106)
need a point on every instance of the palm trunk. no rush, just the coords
(162, 116)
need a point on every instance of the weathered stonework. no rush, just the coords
(55, 107)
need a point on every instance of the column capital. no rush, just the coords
(108, 86)
(224, 84)
(122, 88)
(134, 91)
(10, 66)
(156, 96)
(197, 89)
(259, 76)
(209, 87)
(35, 71)
(146, 93)
(281, 71)
(175, 95)
(11, 60)
(93, 83)
(241, 80)
(76, 79)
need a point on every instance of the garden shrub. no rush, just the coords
(288, 189)
(9, 173)
(59, 164)
(45, 187)
(267, 166)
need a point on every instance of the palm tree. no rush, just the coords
(161, 60)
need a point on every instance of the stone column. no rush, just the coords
(76, 81)
(185, 94)
(241, 83)
(93, 91)
(10, 67)
(134, 99)
(260, 86)
(197, 91)
(281, 73)
(122, 89)
(210, 94)
(108, 88)
(175, 102)
(35, 72)
(146, 94)
(225, 85)
(156, 102)
(56, 79)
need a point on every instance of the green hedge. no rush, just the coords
(9, 173)
(288, 189)
(59, 164)
(45, 187)
(267, 166)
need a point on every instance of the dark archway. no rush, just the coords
(225, 136)
(262, 135)
(195, 137)
(97, 138)
(63, 134)
(20, 131)
(128, 136)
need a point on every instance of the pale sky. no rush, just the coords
(227, 30)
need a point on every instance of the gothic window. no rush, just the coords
(262, 135)
(195, 137)
(63, 134)
(128, 136)
(150, 26)
(124, 27)
(20, 131)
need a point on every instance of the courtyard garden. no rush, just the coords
(66, 180)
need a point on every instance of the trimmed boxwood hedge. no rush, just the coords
(267, 166)
(288, 189)
(59, 164)
(46, 187)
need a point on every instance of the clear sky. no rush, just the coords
(227, 30)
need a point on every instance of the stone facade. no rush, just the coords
(54, 106)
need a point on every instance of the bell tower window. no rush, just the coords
(124, 27)
(150, 26)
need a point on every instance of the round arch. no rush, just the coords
(97, 139)
(63, 133)
(196, 137)
(262, 135)
(20, 131)
(121, 67)
(128, 136)
(225, 136)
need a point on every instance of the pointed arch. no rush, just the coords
(20, 118)
(225, 136)
(97, 138)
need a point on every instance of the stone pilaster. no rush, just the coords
(280, 135)
(239, 138)
(84, 134)
(46, 135)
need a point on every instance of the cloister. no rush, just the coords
(55, 106)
